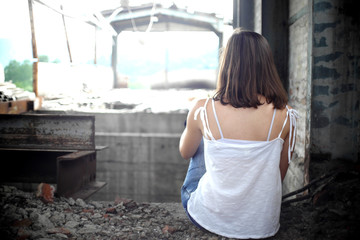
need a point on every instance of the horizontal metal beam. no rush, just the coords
(73, 174)
(42, 131)
(56, 149)
(76, 174)
(184, 20)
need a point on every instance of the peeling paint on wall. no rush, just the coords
(320, 27)
(320, 43)
(322, 6)
(327, 58)
(325, 72)
(336, 68)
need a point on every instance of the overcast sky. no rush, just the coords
(15, 26)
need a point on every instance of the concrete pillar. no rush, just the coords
(274, 27)
(236, 13)
(299, 67)
(246, 14)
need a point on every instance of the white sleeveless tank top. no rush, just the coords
(239, 196)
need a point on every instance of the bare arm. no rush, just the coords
(284, 159)
(284, 164)
(191, 137)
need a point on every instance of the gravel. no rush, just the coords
(333, 213)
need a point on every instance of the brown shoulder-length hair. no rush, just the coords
(246, 71)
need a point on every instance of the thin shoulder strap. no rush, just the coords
(293, 115)
(216, 118)
(204, 119)
(271, 125)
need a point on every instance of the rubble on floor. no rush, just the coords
(333, 213)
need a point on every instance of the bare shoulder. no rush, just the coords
(198, 103)
(201, 101)
(195, 105)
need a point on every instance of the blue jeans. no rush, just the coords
(195, 171)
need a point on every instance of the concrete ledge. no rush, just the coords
(140, 166)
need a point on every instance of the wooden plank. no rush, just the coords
(16, 107)
(20, 106)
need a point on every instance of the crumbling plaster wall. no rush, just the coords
(323, 82)
(336, 72)
(299, 82)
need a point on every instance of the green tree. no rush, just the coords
(43, 58)
(20, 74)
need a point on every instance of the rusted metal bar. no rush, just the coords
(46, 131)
(56, 149)
(75, 171)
